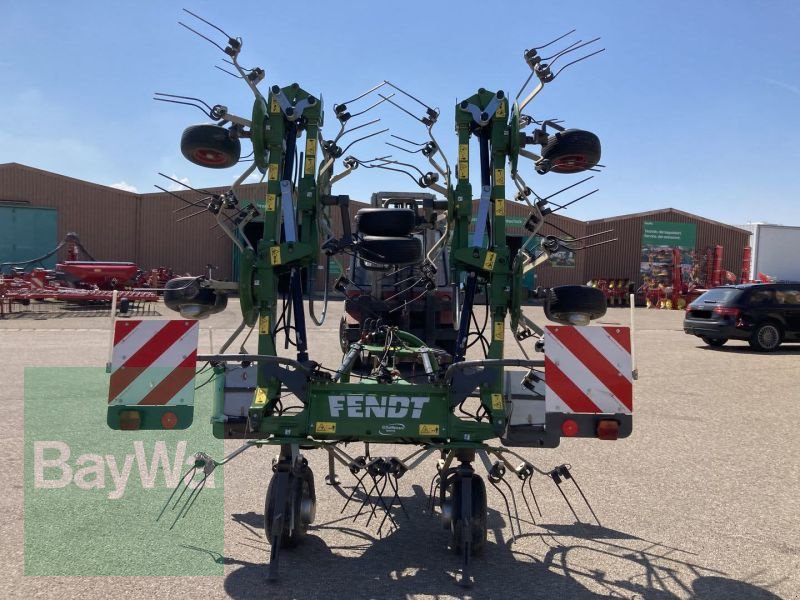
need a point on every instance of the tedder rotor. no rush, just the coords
(392, 386)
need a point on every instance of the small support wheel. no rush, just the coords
(210, 146)
(714, 342)
(297, 510)
(478, 516)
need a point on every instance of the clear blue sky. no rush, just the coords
(697, 104)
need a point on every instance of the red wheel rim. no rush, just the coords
(570, 163)
(208, 156)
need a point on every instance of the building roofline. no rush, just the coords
(16, 165)
(665, 210)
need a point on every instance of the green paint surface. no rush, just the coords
(78, 520)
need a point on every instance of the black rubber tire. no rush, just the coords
(390, 251)
(570, 299)
(124, 306)
(572, 151)
(767, 337)
(186, 296)
(300, 487)
(210, 146)
(388, 222)
(479, 517)
(714, 342)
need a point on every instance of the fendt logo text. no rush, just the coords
(383, 407)
(53, 469)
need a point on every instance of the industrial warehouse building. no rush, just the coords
(38, 208)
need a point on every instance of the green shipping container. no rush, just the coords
(28, 232)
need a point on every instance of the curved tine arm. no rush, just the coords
(367, 93)
(561, 37)
(341, 175)
(577, 60)
(249, 83)
(570, 48)
(410, 166)
(404, 149)
(344, 131)
(532, 95)
(224, 227)
(198, 100)
(446, 173)
(369, 108)
(243, 176)
(350, 145)
(569, 187)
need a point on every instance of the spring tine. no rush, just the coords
(355, 487)
(554, 41)
(530, 512)
(379, 499)
(580, 491)
(188, 499)
(181, 483)
(378, 480)
(530, 485)
(557, 480)
(200, 487)
(396, 485)
(432, 489)
(514, 502)
(508, 508)
(367, 498)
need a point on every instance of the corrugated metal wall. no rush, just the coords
(621, 259)
(143, 228)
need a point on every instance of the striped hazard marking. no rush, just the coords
(153, 363)
(588, 370)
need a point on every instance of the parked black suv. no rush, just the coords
(764, 314)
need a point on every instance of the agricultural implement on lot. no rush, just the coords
(391, 387)
(75, 282)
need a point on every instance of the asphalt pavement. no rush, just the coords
(701, 502)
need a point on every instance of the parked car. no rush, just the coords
(764, 314)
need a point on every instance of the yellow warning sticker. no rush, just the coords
(463, 170)
(499, 176)
(499, 329)
(463, 152)
(311, 147)
(501, 110)
(263, 324)
(426, 429)
(274, 107)
(272, 173)
(499, 208)
(497, 401)
(270, 202)
(261, 396)
(275, 255)
(310, 165)
(488, 263)
(324, 427)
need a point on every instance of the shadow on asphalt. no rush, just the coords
(787, 349)
(412, 560)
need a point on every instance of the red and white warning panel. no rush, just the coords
(588, 370)
(152, 374)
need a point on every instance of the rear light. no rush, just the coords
(725, 311)
(569, 428)
(169, 420)
(130, 420)
(607, 429)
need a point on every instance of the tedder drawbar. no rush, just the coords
(391, 387)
